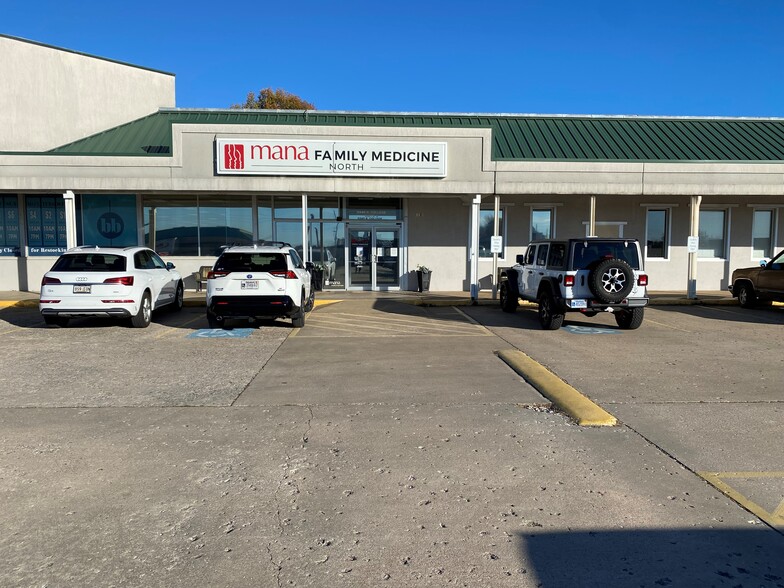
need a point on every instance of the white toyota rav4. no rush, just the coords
(263, 281)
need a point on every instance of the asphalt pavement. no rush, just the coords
(386, 443)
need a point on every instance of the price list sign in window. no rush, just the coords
(46, 232)
(9, 225)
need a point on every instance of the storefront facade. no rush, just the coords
(370, 197)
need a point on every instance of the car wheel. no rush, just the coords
(60, 321)
(507, 298)
(214, 322)
(179, 298)
(144, 316)
(746, 296)
(549, 317)
(311, 299)
(298, 320)
(631, 318)
(611, 280)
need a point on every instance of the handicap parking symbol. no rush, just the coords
(220, 334)
(580, 330)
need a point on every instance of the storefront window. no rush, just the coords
(288, 207)
(9, 225)
(324, 208)
(224, 221)
(289, 232)
(171, 225)
(46, 231)
(541, 224)
(762, 234)
(196, 225)
(657, 233)
(264, 217)
(712, 234)
(108, 220)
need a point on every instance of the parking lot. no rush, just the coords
(386, 444)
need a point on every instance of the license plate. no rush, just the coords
(81, 289)
(579, 303)
(249, 285)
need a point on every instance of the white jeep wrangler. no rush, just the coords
(586, 275)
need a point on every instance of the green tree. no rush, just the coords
(269, 99)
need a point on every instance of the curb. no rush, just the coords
(583, 410)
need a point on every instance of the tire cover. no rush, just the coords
(612, 280)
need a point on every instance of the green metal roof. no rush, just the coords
(515, 137)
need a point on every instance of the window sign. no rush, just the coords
(46, 231)
(9, 226)
(109, 219)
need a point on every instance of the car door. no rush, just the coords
(771, 277)
(164, 277)
(302, 273)
(534, 269)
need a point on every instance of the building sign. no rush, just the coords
(294, 157)
(109, 220)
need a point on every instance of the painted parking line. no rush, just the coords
(368, 325)
(721, 481)
(173, 329)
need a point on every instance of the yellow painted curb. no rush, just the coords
(576, 405)
(318, 303)
(19, 303)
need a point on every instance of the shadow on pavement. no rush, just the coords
(677, 557)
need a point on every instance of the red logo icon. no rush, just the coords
(234, 156)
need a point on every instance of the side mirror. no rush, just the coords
(170, 265)
(520, 259)
(309, 265)
(764, 261)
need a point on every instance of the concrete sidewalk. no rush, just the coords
(193, 298)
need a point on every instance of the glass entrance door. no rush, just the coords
(375, 258)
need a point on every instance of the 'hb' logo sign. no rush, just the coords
(234, 156)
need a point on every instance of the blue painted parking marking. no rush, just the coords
(220, 334)
(578, 330)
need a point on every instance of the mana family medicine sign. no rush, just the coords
(293, 157)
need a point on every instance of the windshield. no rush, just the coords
(251, 262)
(90, 262)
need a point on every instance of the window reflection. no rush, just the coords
(762, 234)
(541, 224)
(656, 234)
(712, 234)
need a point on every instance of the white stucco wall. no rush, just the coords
(50, 97)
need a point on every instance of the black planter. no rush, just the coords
(423, 280)
(318, 279)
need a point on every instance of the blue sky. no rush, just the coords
(660, 57)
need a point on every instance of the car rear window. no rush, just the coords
(586, 253)
(90, 262)
(251, 262)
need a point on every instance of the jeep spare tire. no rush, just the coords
(611, 280)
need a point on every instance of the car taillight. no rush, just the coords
(288, 274)
(124, 281)
(46, 280)
(216, 274)
(568, 281)
(642, 280)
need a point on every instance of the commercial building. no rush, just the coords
(370, 196)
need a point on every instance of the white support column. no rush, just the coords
(70, 218)
(592, 218)
(694, 231)
(305, 231)
(496, 225)
(474, 247)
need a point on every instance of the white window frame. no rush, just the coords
(727, 225)
(774, 217)
(545, 207)
(667, 209)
